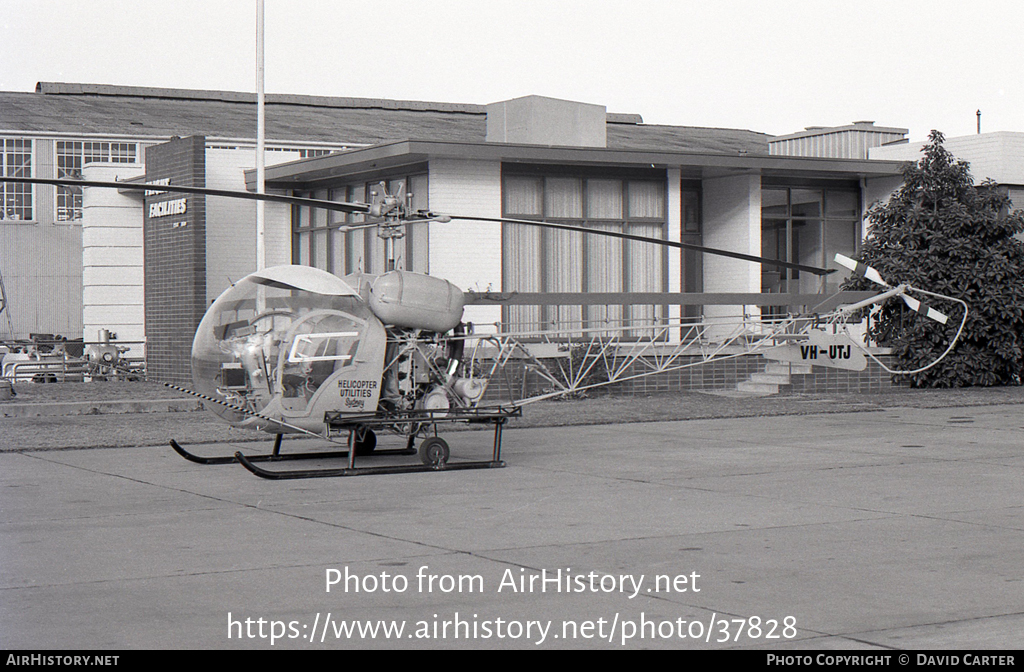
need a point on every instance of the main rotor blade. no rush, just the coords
(357, 208)
(657, 241)
(363, 208)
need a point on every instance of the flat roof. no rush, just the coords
(321, 171)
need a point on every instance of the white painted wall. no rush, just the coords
(538, 120)
(674, 204)
(878, 189)
(732, 221)
(467, 253)
(231, 222)
(112, 258)
(998, 156)
(1017, 201)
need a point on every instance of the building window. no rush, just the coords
(71, 156)
(552, 261)
(15, 161)
(807, 226)
(311, 153)
(304, 152)
(320, 238)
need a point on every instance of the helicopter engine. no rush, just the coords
(422, 370)
(422, 363)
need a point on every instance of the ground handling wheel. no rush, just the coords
(366, 441)
(434, 451)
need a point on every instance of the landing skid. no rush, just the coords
(277, 456)
(361, 471)
(434, 451)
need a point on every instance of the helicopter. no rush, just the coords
(297, 350)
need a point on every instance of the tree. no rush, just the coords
(941, 232)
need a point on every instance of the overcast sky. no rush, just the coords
(773, 66)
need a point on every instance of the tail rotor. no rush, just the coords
(874, 276)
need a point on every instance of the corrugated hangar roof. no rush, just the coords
(142, 111)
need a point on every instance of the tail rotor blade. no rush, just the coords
(930, 313)
(861, 269)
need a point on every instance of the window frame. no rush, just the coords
(313, 227)
(547, 276)
(9, 191)
(790, 279)
(83, 152)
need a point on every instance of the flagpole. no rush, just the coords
(261, 169)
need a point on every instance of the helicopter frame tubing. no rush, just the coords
(591, 354)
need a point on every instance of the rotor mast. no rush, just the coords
(394, 213)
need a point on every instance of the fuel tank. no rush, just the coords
(416, 301)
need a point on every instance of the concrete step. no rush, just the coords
(775, 375)
(752, 387)
(771, 378)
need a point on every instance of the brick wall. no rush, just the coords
(175, 261)
(872, 379)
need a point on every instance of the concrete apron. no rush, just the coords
(896, 529)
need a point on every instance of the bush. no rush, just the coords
(942, 233)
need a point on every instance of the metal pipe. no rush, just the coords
(261, 169)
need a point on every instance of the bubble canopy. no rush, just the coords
(271, 341)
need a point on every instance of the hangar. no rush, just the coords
(146, 266)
